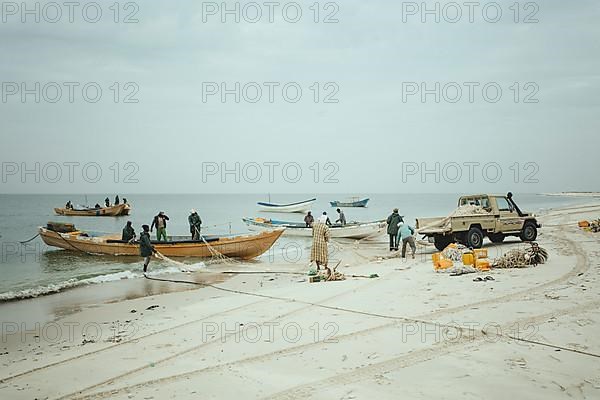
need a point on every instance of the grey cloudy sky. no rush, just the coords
(371, 140)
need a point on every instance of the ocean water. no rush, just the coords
(34, 269)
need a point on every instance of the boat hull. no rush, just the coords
(242, 247)
(112, 211)
(299, 207)
(352, 231)
(360, 203)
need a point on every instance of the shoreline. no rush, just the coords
(274, 335)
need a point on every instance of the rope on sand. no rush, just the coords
(392, 317)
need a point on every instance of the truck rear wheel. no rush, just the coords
(475, 238)
(529, 232)
(441, 241)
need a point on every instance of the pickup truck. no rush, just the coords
(494, 216)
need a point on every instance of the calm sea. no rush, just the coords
(35, 269)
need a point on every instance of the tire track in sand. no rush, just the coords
(581, 265)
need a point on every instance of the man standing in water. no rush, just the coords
(160, 221)
(318, 252)
(195, 224)
(146, 248)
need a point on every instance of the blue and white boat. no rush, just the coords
(352, 230)
(353, 203)
(299, 207)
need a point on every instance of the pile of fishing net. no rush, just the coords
(454, 252)
(522, 258)
(467, 209)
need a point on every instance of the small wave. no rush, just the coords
(72, 283)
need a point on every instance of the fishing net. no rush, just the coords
(464, 210)
(454, 252)
(522, 258)
(216, 256)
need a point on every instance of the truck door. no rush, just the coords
(509, 220)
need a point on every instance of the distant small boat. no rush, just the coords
(112, 211)
(355, 230)
(299, 207)
(354, 203)
(244, 247)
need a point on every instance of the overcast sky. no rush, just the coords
(541, 134)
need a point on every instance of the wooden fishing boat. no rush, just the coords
(243, 247)
(112, 211)
(353, 203)
(354, 230)
(301, 206)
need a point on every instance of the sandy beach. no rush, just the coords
(410, 333)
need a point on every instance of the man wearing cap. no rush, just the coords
(160, 221)
(392, 228)
(195, 224)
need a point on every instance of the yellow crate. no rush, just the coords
(468, 259)
(481, 253)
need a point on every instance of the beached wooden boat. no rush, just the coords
(354, 203)
(243, 247)
(301, 206)
(112, 211)
(354, 230)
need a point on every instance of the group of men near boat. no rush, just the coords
(160, 223)
(309, 219)
(69, 205)
(398, 231)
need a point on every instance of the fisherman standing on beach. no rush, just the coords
(405, 233)
(318, 252)
(392, 228)
(160, 221)
(146, 248)
(128, 233)
(309, 220)
(195, 224)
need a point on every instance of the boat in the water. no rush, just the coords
(112, 211)
(299, 207)
(353, 203)
(244, 247)
(353, 230)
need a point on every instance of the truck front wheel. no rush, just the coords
(441, 241)
(475, 238)
(529, 232)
